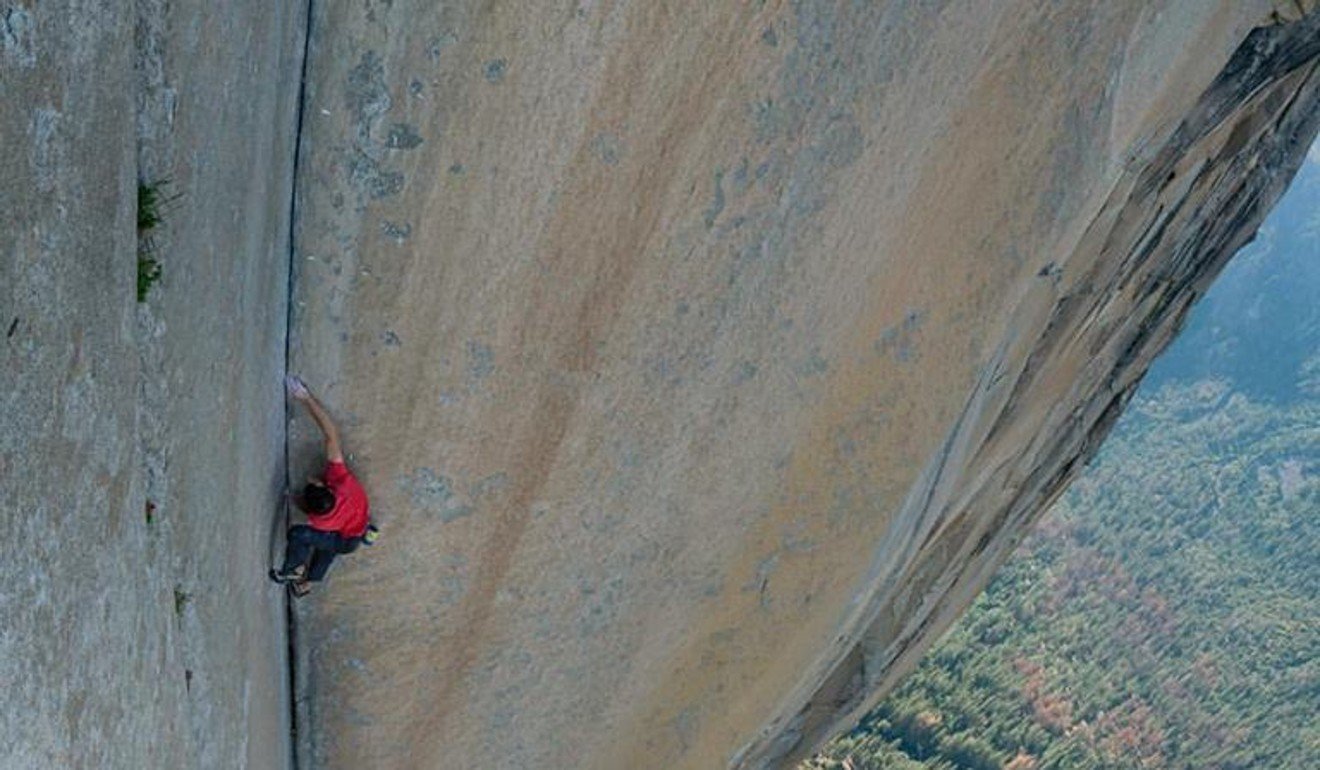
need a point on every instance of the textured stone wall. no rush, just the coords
(703, 358)
(129, 643)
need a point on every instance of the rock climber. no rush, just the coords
(338, 518)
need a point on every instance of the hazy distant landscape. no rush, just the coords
(1164, 614)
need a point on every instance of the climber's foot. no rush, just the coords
(297, 574)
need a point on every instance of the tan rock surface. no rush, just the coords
(702, 359)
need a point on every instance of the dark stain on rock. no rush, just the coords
(761, 582)
(490, 485)
(366, 174)
(740, 176)
(481, 360)
(813, 365)
(372, 16)
(395, 231)
(900, 341)
(434, 495)
(607, 149)
(495, 69)
(46, 147)
(436, 46)
(767, 116)
(403, 137)
(842, 143)
(662, 372)
(716, 206)
(365, 93)
(16, 37)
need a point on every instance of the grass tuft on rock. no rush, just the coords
(151, 203)
(181, 600)
(148, 273)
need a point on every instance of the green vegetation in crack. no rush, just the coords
(181, 600)
(151, 205)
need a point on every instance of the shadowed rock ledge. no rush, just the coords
(704, 359)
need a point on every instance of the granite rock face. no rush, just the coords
(142, 446)
(703, 359)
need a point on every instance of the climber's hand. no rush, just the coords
(297, 388)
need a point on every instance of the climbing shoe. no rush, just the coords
(288, 577)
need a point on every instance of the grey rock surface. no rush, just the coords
(128, 642)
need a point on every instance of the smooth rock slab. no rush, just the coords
(702, 359)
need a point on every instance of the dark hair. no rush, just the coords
(318, 499)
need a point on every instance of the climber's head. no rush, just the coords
(317, 497)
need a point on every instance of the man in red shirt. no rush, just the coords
(336, 507)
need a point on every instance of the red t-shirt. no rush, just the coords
(349, 517)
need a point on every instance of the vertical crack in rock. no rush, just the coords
(297, 707)
(1165, 233)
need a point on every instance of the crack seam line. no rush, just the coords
(291, 625)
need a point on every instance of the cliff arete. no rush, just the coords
(702, 359)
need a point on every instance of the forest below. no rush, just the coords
(1164, 613)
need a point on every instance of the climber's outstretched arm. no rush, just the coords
(334, 451)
